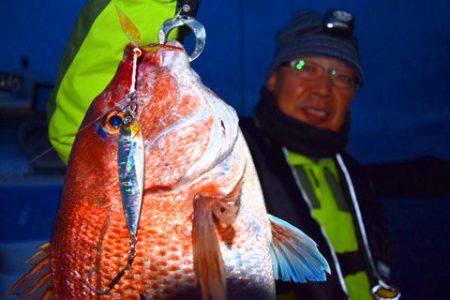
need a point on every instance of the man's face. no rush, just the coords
(318, 102)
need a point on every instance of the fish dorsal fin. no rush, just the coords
(37, 283)
(295, 256)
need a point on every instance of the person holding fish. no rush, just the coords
(298, 136)
(161, 197)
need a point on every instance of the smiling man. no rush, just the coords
(298, 136)
(304, 90)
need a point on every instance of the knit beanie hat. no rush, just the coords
(311, 34)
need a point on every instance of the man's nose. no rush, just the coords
(323, 86)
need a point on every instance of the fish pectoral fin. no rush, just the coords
(209, 267)
(226, 208)
(213, 210)
(295, 256)
(37, 283)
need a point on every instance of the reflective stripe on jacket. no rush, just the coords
(286, 200)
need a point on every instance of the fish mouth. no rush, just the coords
(221, 119)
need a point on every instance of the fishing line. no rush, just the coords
(131, 257)
(136, 53)
(64, 138)
(133, 106)
(67, 136)
(116, 279)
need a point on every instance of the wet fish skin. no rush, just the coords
(203, 221)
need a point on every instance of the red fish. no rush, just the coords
(162, 198)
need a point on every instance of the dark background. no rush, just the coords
(402, 113)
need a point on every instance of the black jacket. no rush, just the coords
(284, 199)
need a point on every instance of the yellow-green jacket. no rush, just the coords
(91, 58)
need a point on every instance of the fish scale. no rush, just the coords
(203, 230)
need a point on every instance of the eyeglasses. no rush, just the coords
(312, 71)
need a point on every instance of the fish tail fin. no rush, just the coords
(37, 283)
(295, 256)
(208, 262)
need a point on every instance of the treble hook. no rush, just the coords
(197, 28)
(131, 257)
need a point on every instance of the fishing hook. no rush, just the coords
(115, 280)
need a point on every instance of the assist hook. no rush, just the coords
(197, 28)
(116, 279)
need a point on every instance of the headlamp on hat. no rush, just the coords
(310, 33)
(338, 23)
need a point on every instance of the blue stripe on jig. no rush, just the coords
(131, 169)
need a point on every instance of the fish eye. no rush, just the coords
(115, 121)
(112, 121)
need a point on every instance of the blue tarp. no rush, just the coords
(402, 112)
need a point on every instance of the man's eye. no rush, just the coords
(309, 68)
(345, 78)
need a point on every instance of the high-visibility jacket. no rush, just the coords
(289, 197)
(91, 58)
